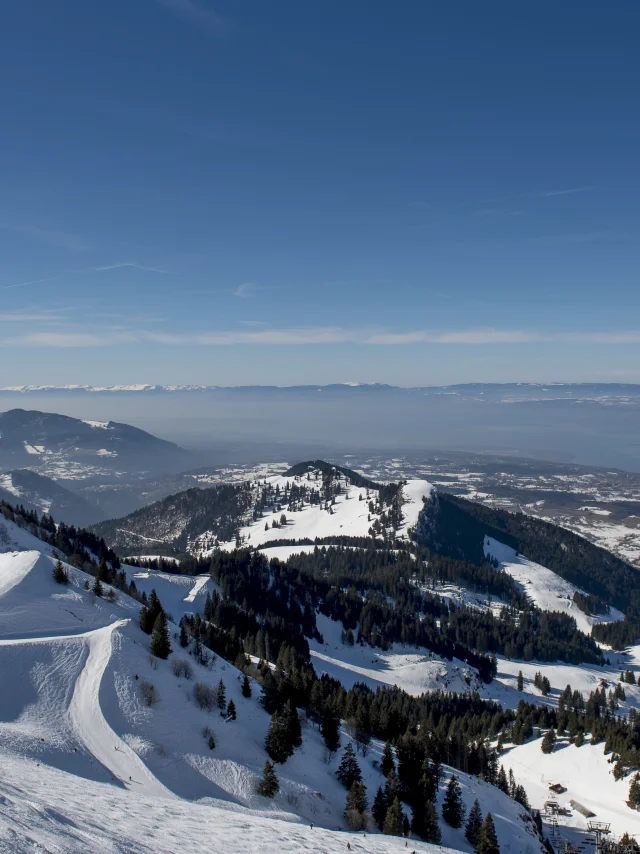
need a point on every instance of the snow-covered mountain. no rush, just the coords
(309, 501)
(89, 763)
(77, 732)
(69, 449)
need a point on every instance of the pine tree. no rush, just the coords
(349, 771)
(269, 786)
(294, 730)
(60, 575)
(379, 808)
(634, 793)
(278, 741)
(474, 823)
(520, 684)
(97, 585)
(184, 637)
(231, 711)
(160, 643)
(356, 807)
(549, 741)
(452, 809)
(330, 729)
(246, 686)
(387, 763)
(520, 795)
(488, 838)
(502, 782)
(221, 696)
(392, 786)
(425, 821)
(394, 820)
(149, 612)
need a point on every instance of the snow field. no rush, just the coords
(546, 590)
(87, 766)
(349, 517)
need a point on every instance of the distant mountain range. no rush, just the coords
(506, 392)
(65, 448)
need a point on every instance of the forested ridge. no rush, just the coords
(457, 527)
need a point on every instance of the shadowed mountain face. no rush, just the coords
(67, 448)
(38, 492)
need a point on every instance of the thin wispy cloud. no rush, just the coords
(250, 289)
(318, 336)
(31, 317)
(31, 282)
(540, 194)
(52, 237)
(200, 15)
(132, 264)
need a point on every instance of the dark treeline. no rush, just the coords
(618, 635)
(458, 527)
(81, 546)
(379, 595)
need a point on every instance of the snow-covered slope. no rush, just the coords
(545, 588)
(87, 765)
(349, 516)
(586, 774)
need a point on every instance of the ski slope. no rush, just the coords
(586, 774)
(545, 589)
(87, 766)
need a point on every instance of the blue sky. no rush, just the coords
(287, 192)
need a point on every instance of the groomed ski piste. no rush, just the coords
(87, 766)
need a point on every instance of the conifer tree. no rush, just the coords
(520, 683)
(549, 741)
(355, 811)
(502, 782)
(425, 821)
(276, 741)
(349, 771)
(184, 637)
(269, 786)
(97, 585)
(387, 763)
(149, 612)
(60, 575)
(452, 809)
(231, 711)
(379, 808)
(394, 820)
(246, 686)
(392, 786)
(221, 696)
(520, 795)
(634, 793)
(284, 734)
(160, 643)
(294, 730)
(487, 837)
(330, 729)
(474, 823)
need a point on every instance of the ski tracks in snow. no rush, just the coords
(92, 728)
(86, 715)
